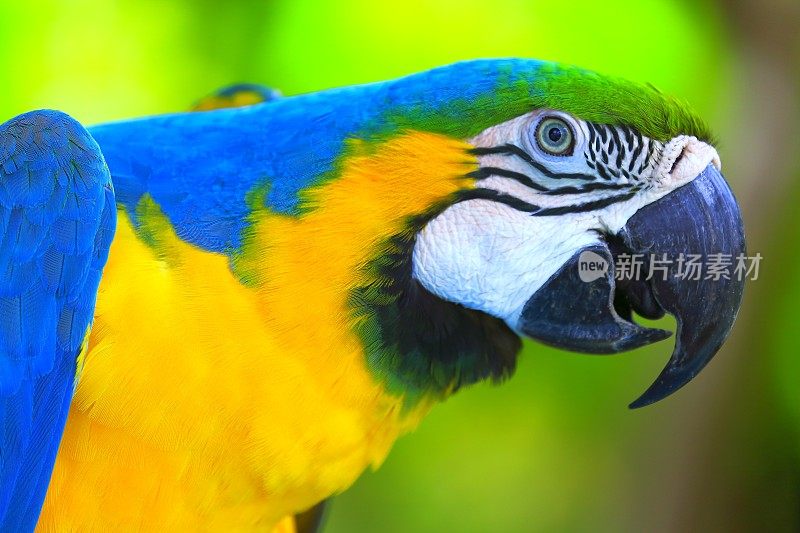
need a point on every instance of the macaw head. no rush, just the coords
(578, 178)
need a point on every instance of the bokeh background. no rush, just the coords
(555, 448)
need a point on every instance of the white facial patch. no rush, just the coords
(493, 254)
(490, 257)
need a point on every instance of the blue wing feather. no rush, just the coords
(57, 217)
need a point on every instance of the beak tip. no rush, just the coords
(657, 391)
(672, 378)
(648, 398)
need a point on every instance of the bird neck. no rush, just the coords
(418, 343)
(346, 262)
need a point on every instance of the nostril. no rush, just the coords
(677, 160)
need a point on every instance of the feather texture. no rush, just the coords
(58, 213)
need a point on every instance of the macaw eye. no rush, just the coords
(554, 136)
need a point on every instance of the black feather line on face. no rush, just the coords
(499, 197)
(617, 143)
(602, 171)
(513, 150)
(648, 157)
(637, 151)
(538, 211)
(487, 172)
(589, 188)
(592, 141)
(585, 207)
(601, 131)
(629, 137)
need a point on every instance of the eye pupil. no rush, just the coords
(555, 134)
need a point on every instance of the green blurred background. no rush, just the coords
(555, 448)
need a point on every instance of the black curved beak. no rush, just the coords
(700, 218)
(687, 245)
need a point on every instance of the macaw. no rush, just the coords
(293, 284)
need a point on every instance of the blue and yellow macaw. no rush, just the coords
(293, 284)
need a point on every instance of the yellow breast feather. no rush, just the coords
(208, 404)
